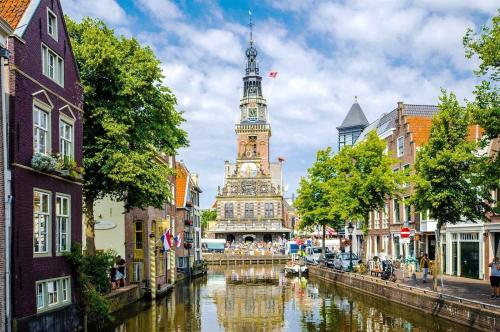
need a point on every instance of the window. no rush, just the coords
(136, 271)
(341, 141)
(228, 210)
(400, 151)
(138, 235)
(269, 210)
(397, 216)
(407, 211)
(384, 217)
(51, 24)
(40, 130)
(65, 140)
(65, 289)
(40, 296)
(53, 65)
(63, 223)
(52, 292)
(424, 216)
(41, 222)
(249, 210)
(406, 170)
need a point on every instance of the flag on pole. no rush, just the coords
(166, 240)
(273, 74)
(330, 231)
(177, 240)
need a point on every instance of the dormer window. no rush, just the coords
(51, 24)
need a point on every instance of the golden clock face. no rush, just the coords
(248, 170)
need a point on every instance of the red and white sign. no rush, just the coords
(405, 232)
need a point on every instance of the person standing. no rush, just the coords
(495, 278)
(425, 263)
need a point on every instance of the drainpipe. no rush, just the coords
(4, 55)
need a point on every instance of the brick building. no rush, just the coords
(45, 148)
(188, 219)
(250, 202)
(140, 225)
(5, 31)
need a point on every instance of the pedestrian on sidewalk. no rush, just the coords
(425, 263)
(495, 278)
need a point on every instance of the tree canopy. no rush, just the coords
(130, 120)
(448, 169)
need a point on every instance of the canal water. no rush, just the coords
(260, 298)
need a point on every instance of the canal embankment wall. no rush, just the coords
(477, 315)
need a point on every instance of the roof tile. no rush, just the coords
(13, 10)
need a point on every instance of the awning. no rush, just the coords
(215, 245)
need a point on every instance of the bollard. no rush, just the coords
(152, 266)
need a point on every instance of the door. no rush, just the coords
(469, 252)
(454, 258)
(496, 249)
(432, 247)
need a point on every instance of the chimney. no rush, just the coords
(400, 110)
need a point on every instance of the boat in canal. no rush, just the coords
(295, 269)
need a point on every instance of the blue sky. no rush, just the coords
(326, 52)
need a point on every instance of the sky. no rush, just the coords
(325, 53)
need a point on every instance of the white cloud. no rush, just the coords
(382, 51)
(107, 10)
(161, 9)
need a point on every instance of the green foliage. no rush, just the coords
(206, 216)
(486, 107)
(129, 120)
(347, 185)
(448, 169)
(368, 176)
(93, 281)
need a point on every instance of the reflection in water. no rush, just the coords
(261, 298)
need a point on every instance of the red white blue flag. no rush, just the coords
(273, 74)
(166, 240)
(177, 240)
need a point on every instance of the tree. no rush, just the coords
(368, 177)
(320, 201)
(486, 107)
(130, 120)
(207, 215)
(448, 178)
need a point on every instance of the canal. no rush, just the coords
(260, 298)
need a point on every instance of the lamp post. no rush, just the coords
(350, 229)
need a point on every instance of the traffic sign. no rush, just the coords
(405, 232)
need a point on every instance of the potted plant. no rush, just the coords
(43, 162)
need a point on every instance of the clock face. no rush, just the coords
(248, 170)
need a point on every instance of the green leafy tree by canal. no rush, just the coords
(207, 215)
(448, 180)
(129, 120)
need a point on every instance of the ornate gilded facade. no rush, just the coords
(250, 201)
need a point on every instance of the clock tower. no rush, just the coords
(250, 202)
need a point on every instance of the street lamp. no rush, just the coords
(350, 229)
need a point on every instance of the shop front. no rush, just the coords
(463, 250)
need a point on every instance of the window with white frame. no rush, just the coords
(53, 293)
(396, 214)
(41, 121)
(400, 147)
(53, 65)
(136, 271)
(40, 296)
(385, 222)
(41, 222)
(63, 223)
(66, 139)
(52, 24)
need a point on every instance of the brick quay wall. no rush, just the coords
(477, 315)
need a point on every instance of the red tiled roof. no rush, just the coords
(13, 10)
(180, 184)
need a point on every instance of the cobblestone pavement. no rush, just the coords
(471, 289)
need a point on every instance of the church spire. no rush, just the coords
(252, 79)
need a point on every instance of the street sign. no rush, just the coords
(405, 232)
